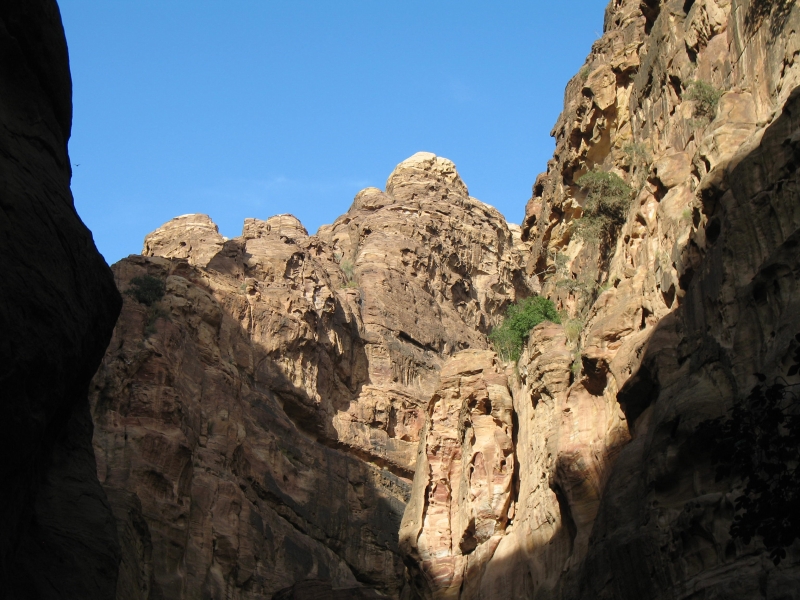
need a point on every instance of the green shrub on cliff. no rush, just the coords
(349, 270)
(606, 206)
(638, 158)
(706, 98)
(146, 289)
(509, 337)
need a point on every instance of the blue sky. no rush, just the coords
(249, 108)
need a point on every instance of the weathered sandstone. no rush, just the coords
(194, 237)
(259, 425)
(258, 428)
(58, 305)
(462, 496)
(616, 496)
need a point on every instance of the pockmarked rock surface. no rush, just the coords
(58, 305)
(462, 497)
(664, 325)
(258, 425)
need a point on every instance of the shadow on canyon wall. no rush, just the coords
(657, 526)
(211, 413)
(663, 520)
(759, 11)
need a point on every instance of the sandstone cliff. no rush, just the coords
(58, 305)
(258, 425)
(666, 323)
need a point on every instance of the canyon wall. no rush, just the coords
(322, 416)
(258, 424)
(58, 305)
(694, 105)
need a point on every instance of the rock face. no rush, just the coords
(58, 305)
(461, 500)
(668, 320)
(194, 237)
(258, 426)
(435, 268)
(323, 590)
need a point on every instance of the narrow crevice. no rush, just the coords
(407, 338)
(567, 520)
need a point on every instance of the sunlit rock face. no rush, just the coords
(258, 426)
(435, 268)
(461, 501)
(193, 237)
(663, 328)
(58, 305)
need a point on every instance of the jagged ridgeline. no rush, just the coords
(258, 414)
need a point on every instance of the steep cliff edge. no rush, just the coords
(257, 420)
(58, 305)
(669, 312)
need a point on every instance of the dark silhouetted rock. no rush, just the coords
(323, 590)
(58, 305)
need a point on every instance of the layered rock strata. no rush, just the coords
(258, 425)
(58, 305)
(667, 323)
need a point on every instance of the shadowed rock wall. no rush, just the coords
(58, 305)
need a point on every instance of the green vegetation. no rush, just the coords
(349, 270)
(706, 98)
(636, 153)
(584, 73)
(154, 313)
(573, 329)
(146, 289)
(584, 287)
(759, 445)
(605, 209)
(509, 337)
(638, 159)
(149, 290)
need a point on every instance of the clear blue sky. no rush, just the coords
(250, 108)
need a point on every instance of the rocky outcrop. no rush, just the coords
(461, 501)
(58, 305)
(435, 268)
(258, 425)
(694, 105)
(193, 237)
(738, 318)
